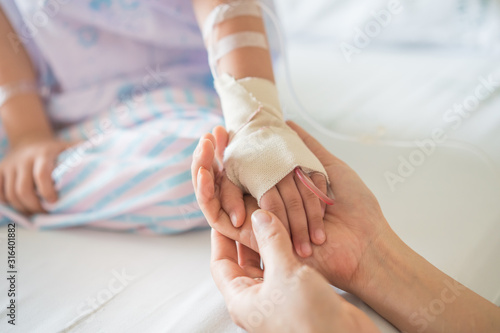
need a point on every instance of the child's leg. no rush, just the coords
(133, 170)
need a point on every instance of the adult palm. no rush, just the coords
(353, 224)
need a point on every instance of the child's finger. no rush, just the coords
(320, 181)
(42, 174)
(296, 215)
(314, 213)
(25, 189)
(2, 195)
(10, 191)
(272, 201)
(232, 202)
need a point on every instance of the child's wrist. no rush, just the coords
(24, 120)
(13, 90)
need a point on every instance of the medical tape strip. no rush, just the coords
(228, 11)
(238, 40)
(224, 12)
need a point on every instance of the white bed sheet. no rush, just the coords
(448, 211)
(68, 283)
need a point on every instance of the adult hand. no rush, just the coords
(300, 210)
(364, 256)
(25, 174)
(291, 297)
(353, 225)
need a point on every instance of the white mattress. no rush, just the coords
(447, 210)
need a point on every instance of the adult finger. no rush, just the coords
(224, 266)
(296, 215)
(314, 210)
(203, 156)
(208, 201)
(207, 195)
(249, 261)
(320, 181)
(272, 201)
(42, 174)
(232, 202)
(275, 246)
(221, 139)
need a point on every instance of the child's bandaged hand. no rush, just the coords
(261, 157)
(298, 208)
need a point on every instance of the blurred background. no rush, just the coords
(379, 78)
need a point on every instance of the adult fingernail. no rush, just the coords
(260, 219)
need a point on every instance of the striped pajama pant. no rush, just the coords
(131, 169)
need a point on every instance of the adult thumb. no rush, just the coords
(275, 246)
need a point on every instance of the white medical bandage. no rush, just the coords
(237, 41)
(228, 11)
(218, 48)
(24, 87)
(262, 149)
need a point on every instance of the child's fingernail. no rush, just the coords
(234, 219)
(306, 249)
(320, 235)
(260, 219)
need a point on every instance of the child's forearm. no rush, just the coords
(241, 62)
(22, 115)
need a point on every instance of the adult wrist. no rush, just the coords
(395, 281)
(382, 265)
